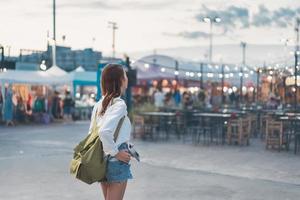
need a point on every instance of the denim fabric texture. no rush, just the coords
(117, 171)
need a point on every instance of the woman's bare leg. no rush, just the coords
(104, 189)
(116, 191)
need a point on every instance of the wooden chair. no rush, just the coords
(274, 134)
(138, 126)
(238, 131)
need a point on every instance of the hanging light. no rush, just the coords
(225, 89)
(271, 72)
(234, 89)
(241, 74)
(226, 75)
(199, 74)
(163, 69)
(146, 65)
(176, 72)
(192, 74)
(220, 75)
(187, 73)
(231, 74)
(246, 75)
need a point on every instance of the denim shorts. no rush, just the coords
(116, 170)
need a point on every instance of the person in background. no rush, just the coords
(159, 98)
(20, 110)
(187, 101)
(177, 97)
(272, 103)
(9, 107)
(39, 105)
(68, 104)
(56, 106)
(169, 101)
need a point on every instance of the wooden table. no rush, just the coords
(165, 120)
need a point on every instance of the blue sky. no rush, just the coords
(145, 24)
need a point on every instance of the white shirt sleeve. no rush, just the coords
(92, 118)
(111, 118)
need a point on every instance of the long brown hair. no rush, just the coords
(111, 83)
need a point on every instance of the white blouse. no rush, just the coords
(108, 123)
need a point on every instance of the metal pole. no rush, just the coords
(210, 41)
(257, 84)
(176, 69)
(223, 98)
(54, 20)
(54, 35)
(114, 28)
(296, 62)
(243, 44)
(2, 57)
(201, 78)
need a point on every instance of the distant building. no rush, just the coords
(66, 58)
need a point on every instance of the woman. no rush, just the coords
(110, 109)
(9, 107)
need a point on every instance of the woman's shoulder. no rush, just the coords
(116, 103)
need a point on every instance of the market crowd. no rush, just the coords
(38, 109)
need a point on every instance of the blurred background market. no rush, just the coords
(214, 93)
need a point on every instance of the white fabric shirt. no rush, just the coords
(108, 123)
(159, 99)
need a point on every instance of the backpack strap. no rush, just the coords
(116, 134)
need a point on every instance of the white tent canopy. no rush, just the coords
(79, 69)
(32, 77)
(56, 71)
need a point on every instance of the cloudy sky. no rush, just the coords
(145, 24)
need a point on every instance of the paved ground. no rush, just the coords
(34, 164)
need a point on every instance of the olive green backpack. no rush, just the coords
(88, 163)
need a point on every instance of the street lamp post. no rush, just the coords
(211, 20)
(54, 35)
(2, 57)
(114, 28)
(296, 62)
(243, 45)
(201, 77)
(176, 71)
(257, 83)
(223, 98)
